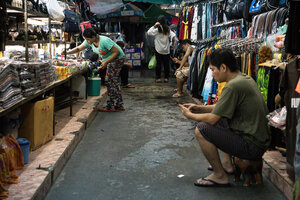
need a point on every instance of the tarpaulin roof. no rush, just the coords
(153, 12)
(124, 10)
(102, 7)
(159, 1)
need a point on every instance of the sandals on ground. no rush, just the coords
(176, 95)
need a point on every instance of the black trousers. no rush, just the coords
(162, 59)
(124, 75)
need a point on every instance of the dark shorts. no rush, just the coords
(229, 141)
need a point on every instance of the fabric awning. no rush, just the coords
(102, 7)
(125, 10)
(153, 12)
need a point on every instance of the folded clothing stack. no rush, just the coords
(27, 78)
(10, 88)
(34, 76)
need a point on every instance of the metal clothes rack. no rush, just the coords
(186, 3)
(208, 40)
(242, 45)
(229, 23)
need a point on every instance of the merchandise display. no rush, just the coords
(10, 88)
(42, 71)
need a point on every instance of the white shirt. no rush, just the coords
(196, 20)
(161, 41)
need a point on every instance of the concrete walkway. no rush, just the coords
(139, 153)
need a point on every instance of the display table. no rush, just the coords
(49, 87)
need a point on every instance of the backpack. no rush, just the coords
(84, 25)
(71, 22)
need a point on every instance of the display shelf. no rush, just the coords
(29, 42)
(22, 11)
(60, 42)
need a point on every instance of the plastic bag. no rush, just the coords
(152, 62)
(277, 118)
(55, 11)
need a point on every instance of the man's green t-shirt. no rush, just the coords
(243, 105)
(105, 45)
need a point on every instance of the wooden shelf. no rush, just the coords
(30, 13)
(29, 42)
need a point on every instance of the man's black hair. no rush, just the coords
(223, 56)
(121, 44)
(186, 41)
(89, 33)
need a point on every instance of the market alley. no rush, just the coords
(140, 153)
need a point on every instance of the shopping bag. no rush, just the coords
(152, 62)
(55, 11)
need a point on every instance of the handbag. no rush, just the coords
(234, 9)
(152, 62)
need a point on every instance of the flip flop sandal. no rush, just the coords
(158, 81)
(120, 108)
(166, 80)
(213, 183)
(177, 95)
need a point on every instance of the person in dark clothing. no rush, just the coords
(125, 69)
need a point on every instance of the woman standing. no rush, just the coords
(112, 59)
(163, 36)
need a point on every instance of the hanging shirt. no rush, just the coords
(161, 41)
(104, 48)
(195, 25)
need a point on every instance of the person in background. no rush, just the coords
(125, 69)
(182, 73)
(236, 124)
(163, 36)
(112, 60)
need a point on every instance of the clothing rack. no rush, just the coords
(242, 45)
(209, 40)
(228, 23)
(191, 2)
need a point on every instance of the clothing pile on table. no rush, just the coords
(10, 91)
(34, 76)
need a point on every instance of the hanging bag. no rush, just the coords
(71, 22)
(84, 25)
(258, 7)
(55, 11)
(152, 62)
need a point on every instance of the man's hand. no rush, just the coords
(156, 24)
(185, 111)
(194, 108)
(175, 60)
